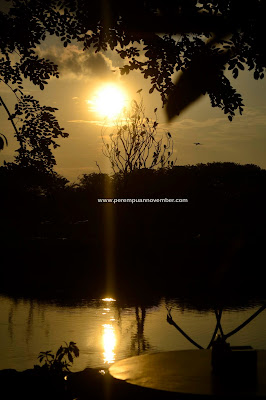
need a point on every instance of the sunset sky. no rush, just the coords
(82, 74)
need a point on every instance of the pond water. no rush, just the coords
(106, 331)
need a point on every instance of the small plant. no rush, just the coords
(61, 361)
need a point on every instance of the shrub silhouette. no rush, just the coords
(60, 362)
(136, 144)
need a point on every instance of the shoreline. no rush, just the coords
(82, 385)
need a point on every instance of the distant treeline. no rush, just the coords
(56, 230)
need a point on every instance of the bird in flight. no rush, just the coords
(197, 143)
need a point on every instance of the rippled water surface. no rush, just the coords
(106, 332)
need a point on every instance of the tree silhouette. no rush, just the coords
(36, 128)
(196, 38)
(136, 143)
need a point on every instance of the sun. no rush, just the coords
(109, 101)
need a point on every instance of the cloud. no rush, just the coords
(74, 61)
(102, 123)
(80, 121)
(188, 124)
(245, 127)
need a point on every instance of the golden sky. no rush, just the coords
(83, 73)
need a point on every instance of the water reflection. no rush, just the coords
(10, 322)
(218, 330)
(139, 344)
(109, 343)
(108, 299)
(107, 331)
(109, 337)
(29, 322)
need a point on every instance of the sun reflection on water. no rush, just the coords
(109, 343)
(108, 299)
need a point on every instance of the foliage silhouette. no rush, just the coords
(38, 128)
(174, 36)
(135, 144)
(56, 230)
(60, 362)
(95, 185)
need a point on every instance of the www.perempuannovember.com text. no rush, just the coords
(133, 201)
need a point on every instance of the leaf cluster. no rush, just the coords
(174, 37)
(36, 134)
(238, 42)
(35, 126)
(61, 361)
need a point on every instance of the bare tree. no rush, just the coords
(136, 143)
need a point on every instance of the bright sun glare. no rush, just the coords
(109, 343)
(109, 101)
